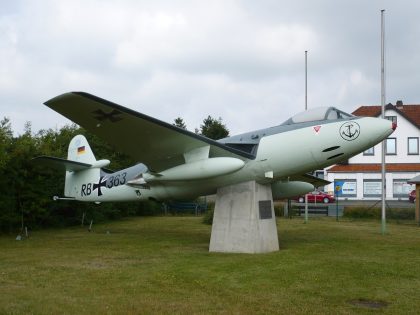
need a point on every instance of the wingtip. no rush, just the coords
(64, 95)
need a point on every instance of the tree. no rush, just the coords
(179, 122)
(6, 136)
(19, 183)
(27, 187)
(213, 128)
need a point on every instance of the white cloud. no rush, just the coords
(240, 60)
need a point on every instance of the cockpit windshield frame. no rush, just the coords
(318, 114)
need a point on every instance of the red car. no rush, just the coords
(316, 196)
(412, 196)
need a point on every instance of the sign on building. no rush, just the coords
(345, 188)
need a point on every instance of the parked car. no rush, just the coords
(316, 196)
(412, 196)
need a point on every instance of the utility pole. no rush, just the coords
(306, 108)
(383, 219)
(306, 80)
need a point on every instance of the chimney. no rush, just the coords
(399, 104)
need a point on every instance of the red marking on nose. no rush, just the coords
(394, 126)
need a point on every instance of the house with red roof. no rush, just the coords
(361, 175)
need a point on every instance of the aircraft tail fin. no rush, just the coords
(80, 151)
(81, 166)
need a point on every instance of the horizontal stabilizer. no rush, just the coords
(61, 164)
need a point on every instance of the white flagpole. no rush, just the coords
(306, 108)
(306, 80)
(383, 226)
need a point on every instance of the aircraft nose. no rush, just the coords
(354, 136)
(388, 125)
(381, 128)
(394, 126)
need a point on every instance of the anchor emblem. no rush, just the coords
(350, 130)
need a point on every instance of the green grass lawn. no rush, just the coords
(162, 265)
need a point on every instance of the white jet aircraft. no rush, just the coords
(181, 165)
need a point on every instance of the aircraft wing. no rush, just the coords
(316, 181)
(155, 143)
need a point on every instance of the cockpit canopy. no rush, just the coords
(319, 113)
(248, 142)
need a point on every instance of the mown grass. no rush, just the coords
(162, 265)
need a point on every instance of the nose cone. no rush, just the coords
(343, 140)
(388, 126)
(376, 129)
(394, 126)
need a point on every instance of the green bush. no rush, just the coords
(279, 210)
(148, 208)
(362, 213)
(401, 214)
(375, 213)
(208, 216)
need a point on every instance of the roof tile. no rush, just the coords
(374, 168)
(410, 112)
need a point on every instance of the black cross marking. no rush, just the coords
(99, 185)
(101, 115)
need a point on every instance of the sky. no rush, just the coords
(243, 61)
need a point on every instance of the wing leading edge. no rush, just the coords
(156, 143)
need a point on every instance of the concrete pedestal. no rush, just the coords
(244, 220)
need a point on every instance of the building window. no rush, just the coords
(413, 145)
(400, 188)
(320, 174)
(372, 188)
(391, 146)
(392, 118)
(370, 151)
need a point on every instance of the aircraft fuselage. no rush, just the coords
(280, 153)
